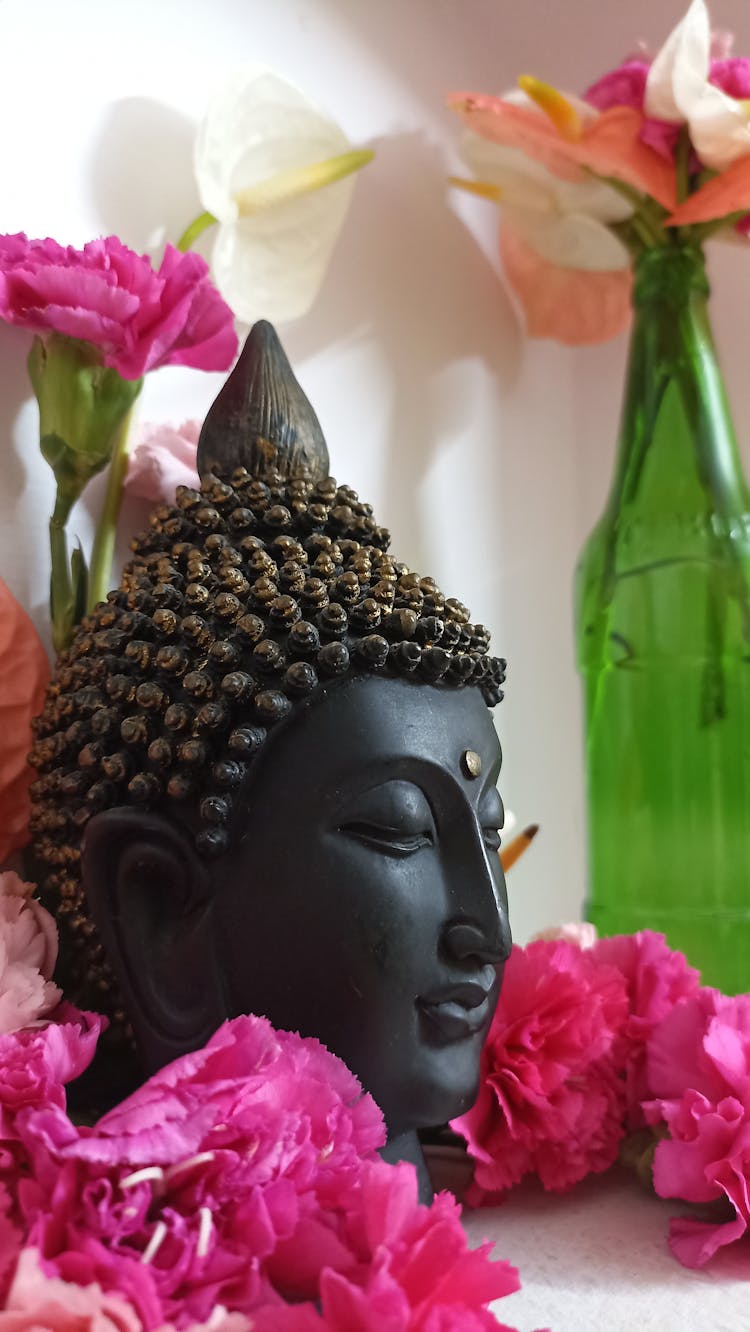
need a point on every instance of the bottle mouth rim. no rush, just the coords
(669, 273)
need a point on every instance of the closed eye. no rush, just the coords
(391, 841)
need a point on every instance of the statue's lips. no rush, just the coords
(458, 1011)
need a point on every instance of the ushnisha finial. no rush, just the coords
(261, 419)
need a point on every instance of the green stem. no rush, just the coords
(196, 228)
(61, 588)
(648, 216)
(100, 568)
(682, 164)
(701, 231)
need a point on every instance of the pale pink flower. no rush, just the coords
(164, 458)
(28, 952)
(657, 977)
(699, 1073)
(40, 1303)
(37, 1062)
(110, 296)
(549, 1098)
(579, 932)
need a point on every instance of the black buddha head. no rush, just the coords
(267, 776)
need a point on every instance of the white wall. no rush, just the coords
(436, 408)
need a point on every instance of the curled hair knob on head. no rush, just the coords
(262, 420)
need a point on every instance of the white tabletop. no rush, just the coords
(597, 1258)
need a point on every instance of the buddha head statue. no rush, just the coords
(267, 777)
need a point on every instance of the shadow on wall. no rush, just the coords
(142, 173)
(406, 276)
(15, 345)
(409, 278)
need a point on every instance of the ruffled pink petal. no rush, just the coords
(610, 146)
(111, 297)
(725, 194)
(694, 1242)
(572, 305)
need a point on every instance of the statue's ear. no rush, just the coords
(148, 894)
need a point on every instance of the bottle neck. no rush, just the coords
(677, 444)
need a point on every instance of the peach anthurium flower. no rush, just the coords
(570, 271)
(678, 90)
(572, 305)
(24, 672)
(570, 138)
(273, 171)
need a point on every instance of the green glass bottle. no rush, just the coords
(663, 644)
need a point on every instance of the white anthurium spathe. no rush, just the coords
(567, 223)
(678, 91)
(276, 174)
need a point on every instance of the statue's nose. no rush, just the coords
(469, 940)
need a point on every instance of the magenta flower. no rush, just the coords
(244, 1177)
(656, 977)
(28, 952)
(626, 86)
(699, 1071)
(11, 1239)
(164, 458)
(113, 298)
(550, 1100)
(184, 1196)
(414, 1271)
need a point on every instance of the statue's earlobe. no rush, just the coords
(149, 897)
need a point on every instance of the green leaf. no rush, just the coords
(79, 575)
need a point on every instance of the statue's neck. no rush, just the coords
(406, 1147)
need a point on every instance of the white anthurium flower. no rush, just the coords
(275, 172)
(678, 90)
(566, 222)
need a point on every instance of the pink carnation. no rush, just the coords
(38, 1301)
(112, 297)
(413, 1269)
(183, 1195)
(28, 952)
(626, 86)
(10, 1239)
(550, 1100)
(163, 459)
(732, 76)
(657, 977)
(699, 1071)
(244, 1177)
